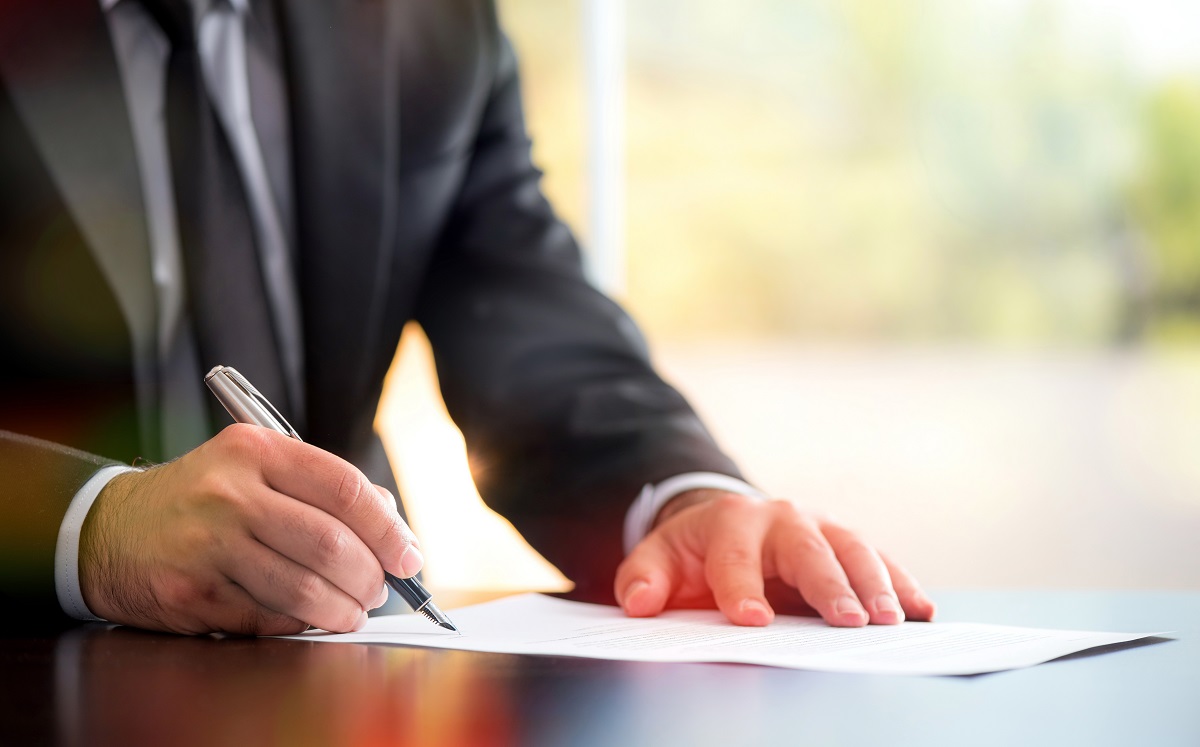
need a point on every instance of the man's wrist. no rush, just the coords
(96, 544)
(67, 581)
(685, 500)
(645, 513)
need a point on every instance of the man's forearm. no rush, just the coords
(41, 480)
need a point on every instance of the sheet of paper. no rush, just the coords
(536, 624)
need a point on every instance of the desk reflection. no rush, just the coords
(124, 686)
(99, 686)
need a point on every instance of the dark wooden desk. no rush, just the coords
(99, 686)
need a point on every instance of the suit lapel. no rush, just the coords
(58, 62)
(343, 93)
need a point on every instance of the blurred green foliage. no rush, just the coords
(1004, 171)
(1165, 199)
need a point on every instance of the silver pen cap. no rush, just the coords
(245, 403)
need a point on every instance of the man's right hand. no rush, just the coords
(252, 533)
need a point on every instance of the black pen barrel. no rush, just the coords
(410, 590)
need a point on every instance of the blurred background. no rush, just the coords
(932, 266)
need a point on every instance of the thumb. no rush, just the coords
(646, 578)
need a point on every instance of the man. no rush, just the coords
(280, 186)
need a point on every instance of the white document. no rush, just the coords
(536, 624)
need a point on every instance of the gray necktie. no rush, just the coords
(226, 288)
(222, 41)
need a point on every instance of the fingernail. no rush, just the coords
(633, 590)
(379, 600)
(411, 561)
(362, 622)
(754, 612)
(887, 607)
(848, 605)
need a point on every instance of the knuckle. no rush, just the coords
(332, 547)
(394, 526)
(385, 493)
(782, 508)
(245, 438)
(207, 593)
(307, 589)
(185, 594)
(856, 549)
(352, 489)
(736, 557)
(736, 503)
(810, 544)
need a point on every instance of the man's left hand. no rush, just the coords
(713, 548)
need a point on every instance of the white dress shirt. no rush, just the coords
(142, 51)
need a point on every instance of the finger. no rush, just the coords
(917, 605)
(287, 587)
(335, 486)
(646, 578)
(412, 560)
(733, 561)
(390, 501)
(212, 603)
(867, 574)
(317, 541)
(807, 562)
(236, 612)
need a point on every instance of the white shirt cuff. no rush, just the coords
(66, 551)
(641, 514)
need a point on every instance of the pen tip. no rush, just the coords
(437, 617)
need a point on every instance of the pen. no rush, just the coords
(247, 405)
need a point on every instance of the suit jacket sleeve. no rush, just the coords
(40, 478)
(549, 380)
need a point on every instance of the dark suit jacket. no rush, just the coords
(415, 199)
